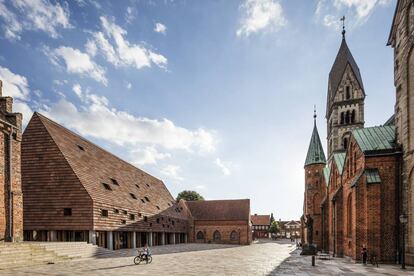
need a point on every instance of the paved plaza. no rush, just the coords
(263, 258)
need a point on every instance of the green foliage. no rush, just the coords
(272, 219)
(274, 227)
(189, 196)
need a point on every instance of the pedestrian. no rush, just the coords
(364, 255)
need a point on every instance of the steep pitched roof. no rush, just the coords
(260, 219)
(327, 173)
(94, 166)
(342, 60)
(315, 153)
(236, 209)
(339, 158)
(375, 139)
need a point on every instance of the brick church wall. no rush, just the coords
(225, 228)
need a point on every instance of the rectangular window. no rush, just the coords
(145, 218)
(104, 213)
(123, 221)
(131, 216)
(116, 211)
(67, 212)
(124, 212)
(107, 187)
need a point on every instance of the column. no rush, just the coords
(92, 237)
(173, 238)
(134, 240)
(185, 238)
(149, 239)
(53, 235)
(163, 238)
(138, 234)
(110, 240)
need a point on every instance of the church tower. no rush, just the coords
(315, 187)
(345, 102)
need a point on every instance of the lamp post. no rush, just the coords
(403, 221)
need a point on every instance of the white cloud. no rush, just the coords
(147, 155)
(129, 85)
(225, 170)
(78, 90)
(172, 171)
(130, 14)
(160, 28)
(200, 187)
(96, 119)
(38, 15)
(118, 51)
(356, 12)
(77, 62)
(261, 15)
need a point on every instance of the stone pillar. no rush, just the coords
(149, 239)
(92, 237)
(173, 238)
(185, 238)
(134, 240)
(110, 240)
(163, 238)
(53, 235)
(138, 237)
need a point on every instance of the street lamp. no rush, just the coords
(403, 221)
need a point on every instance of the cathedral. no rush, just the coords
(351, 198)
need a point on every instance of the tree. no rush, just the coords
(189, 196)
(272, 219)
(274, 227)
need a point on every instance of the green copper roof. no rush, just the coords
(372, 176)
(381, 138)
(315, 152)
(327, 173)
(339, 158)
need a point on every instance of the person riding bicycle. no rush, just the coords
(364, 255)
(146, 252)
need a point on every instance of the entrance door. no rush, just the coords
(123, 240)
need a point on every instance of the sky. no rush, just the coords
(215, 96)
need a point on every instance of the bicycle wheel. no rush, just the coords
(137, 260)
(149, 259)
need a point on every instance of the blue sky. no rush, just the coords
(215, 96)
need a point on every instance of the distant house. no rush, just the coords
(260, 226)
(289, 229)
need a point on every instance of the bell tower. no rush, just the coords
(345, 102)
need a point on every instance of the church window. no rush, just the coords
(200, 235)
(342, 118)
(347, 117)
(348, 92)
(349, 215)
(345, 142)
(353, 116)
(216, 236)
(234, 236)
(354, 159)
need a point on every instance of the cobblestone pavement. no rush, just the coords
(263, 258)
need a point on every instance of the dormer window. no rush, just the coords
(81, 148)
(114, 181)
(133, 196)
(158, 207)
(136, 185)
(143, 201)
(107, 187)
(147, 185)
(147, 199)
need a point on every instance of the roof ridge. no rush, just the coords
(41, 116)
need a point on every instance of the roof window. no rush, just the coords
(125, 212)
(143, 201)
(106, 186)
(114, 181)
(158, 207)
(147, 199)
(104, 213)
(116, 211)
(147, 185)
(81, 148)
(123, 221)
(133, 196)
(136, 185)
(131, 216)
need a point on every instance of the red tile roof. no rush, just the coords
(260, 219)
(237, 209)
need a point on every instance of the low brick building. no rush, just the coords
(260, 226)
(11, 197)
(220, 221)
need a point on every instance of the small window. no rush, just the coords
(133, 196)
(139, 215)
(169, 204)
(173, 222)
(106, 186)
(67, 212)
(81, 148)
(143, 201)
(136, 185)
(124, 212)
(131, 216)
(147, 185)
(348, 92)
(123, 221)
(116, 211)
(147, 199)
(104, 213)
(158, 207)
(150, 224)
(158, 220)
(145, 218)
(216, 235)
(114, 181)
(234, 236)
(163, 226)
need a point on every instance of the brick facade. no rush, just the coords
(11, 196)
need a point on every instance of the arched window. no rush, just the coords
(348, 92)
(347, 117)
(234, 236)
(342, 118)
(349, 215)
(316, 204)
(216, 236)
(200, 235)
(345, 142)
(353, 116)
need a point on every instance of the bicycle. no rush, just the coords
(373, 259)
(142, 257)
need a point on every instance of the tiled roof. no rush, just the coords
(236, 209)
(260, 219)
(94, 166)
(374, 139)
(315, 153)
(339, 158)
(343, 58)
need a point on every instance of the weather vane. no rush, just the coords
(343, 26)
(314, 112)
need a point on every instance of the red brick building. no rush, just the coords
(220, 221)
(260, 226)
(11, 197)
(76, 191)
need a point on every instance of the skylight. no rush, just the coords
(114, 181)
(81, 148)
(133, 196)
(106, 186)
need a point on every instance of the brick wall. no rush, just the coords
(225, 228)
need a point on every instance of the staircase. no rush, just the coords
(31, 253)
